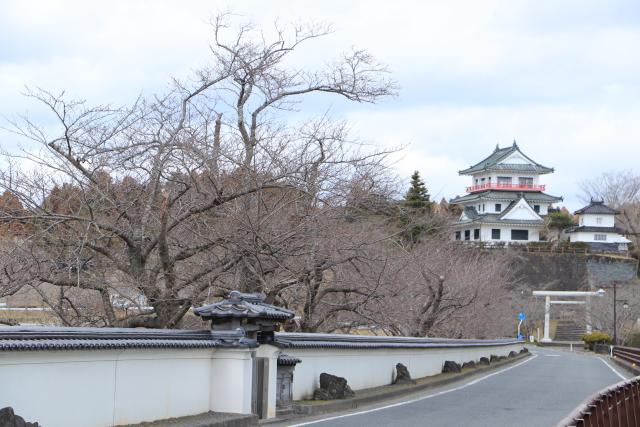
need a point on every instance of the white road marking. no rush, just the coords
(613, 369)
(429, 396)
(552, 355)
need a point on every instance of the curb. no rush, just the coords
(626, 365)
(304, 410)
(207, 419)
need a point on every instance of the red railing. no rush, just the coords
(618, 405)
(496, 186)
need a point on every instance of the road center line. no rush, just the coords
(429, 396)
(613, 369)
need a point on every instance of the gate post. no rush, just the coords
(547, 318)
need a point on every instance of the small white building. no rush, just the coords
(597, 227)
(506, 201)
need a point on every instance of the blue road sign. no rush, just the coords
(522, 316)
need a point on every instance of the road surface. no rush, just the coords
(538, 391)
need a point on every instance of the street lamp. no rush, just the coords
(625, 305)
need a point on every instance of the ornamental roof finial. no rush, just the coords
(497, 147)
(515, 145)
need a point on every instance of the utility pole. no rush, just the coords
(615, 319)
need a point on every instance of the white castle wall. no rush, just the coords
(373, 368)
(98, 388)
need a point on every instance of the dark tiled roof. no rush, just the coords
(286, 360)
(506, 195)
(596, 207)
(470, 212)
(63, 338)
(340, 341)
(496, 219)
(594, 229)
(491, 162)
(240, 305)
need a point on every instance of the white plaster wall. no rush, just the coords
(590, 237)
(88, 388)
(592, 220)
(505, 233)
(544, 207)
(372, 368)
(494, 177)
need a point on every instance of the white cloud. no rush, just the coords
(561, 77)
(578, 143)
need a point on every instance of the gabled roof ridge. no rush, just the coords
(498, 155)
(596, 207)
(502, 154)
(510, 206)
(515, 203)
(493, 195)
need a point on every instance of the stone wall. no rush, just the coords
(573, 272)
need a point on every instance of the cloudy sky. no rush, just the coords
(560, 77)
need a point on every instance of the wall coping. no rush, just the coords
(20, 338)
(346, 341)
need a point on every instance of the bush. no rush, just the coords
(596, 337)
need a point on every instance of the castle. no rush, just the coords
(506, 201)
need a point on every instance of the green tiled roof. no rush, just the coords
(498, 218)
(529, 196)
(495, 219)
(492, 163)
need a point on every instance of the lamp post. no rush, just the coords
(625, 305)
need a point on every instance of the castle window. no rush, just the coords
(498, 207)
(504, 180)
(536, 208)
(600, 237)
(525, 181)
(476, 234)
(467, 234)
(519, 234)
(599, 220)
(495, 233)
(457, 235)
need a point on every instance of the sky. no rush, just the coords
(561, 77)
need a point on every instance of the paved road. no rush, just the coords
(538, 391)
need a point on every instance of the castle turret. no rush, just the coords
(597, 227)
(506, 201)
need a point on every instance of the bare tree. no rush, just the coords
(627, 307)
(442, 288)
(620, 190)
(155, 203)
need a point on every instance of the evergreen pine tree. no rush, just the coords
(416, 211)
(417, 196)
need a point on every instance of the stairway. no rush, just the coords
(568, 330)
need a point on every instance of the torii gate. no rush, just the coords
(566, 294)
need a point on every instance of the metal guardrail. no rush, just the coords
(615, 406)
(628, 354)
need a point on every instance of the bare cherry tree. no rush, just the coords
(154, 204)
(442, 288)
